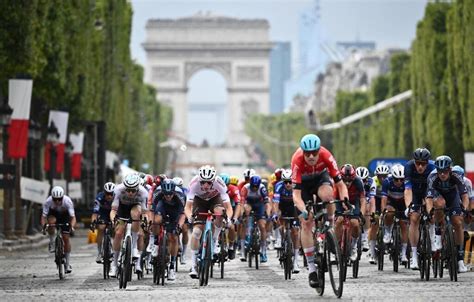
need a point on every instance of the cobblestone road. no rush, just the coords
(27, 276)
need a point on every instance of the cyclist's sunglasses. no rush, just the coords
(313, 153)
(398, 180)
(168, 193)
(287, 182)
(421, 163)
(445, 171)
(131, 190)
(57, 199)
(205, 182)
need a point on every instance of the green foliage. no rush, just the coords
(78, 55)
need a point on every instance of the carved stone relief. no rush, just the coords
(250, 73)
(249, 106)
(165, 73)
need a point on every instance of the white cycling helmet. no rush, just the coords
(286, 175)
(178, 181)
(398, 171)
(57, 192)
(249, 173)
(131, 181)
(109, 187)
(362, 172)
(382, 170)
(207, 173)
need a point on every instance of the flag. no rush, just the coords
(60, 120)
(77, 141)
(19, 98)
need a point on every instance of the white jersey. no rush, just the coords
(218, 188)
(121, 197)
(468, 184)
(65, 206)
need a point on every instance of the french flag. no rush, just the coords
(77, 141)
(60, 119)
(19, 98)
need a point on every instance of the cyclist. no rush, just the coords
(206, 193)
(178, 181)
(59, 208)
(285, 207)
(254, 197)
(381, 173)
(247, 174)
(129, 202)
(312, 166)
(234, 180)
(393, 189)
(357, 199)
(234, 197)
(467, 182)
(169, 208)
(416, 175)
(101, 211)
(272, 225)
(369, 188)
(447, 190)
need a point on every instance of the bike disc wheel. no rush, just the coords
(427, 251)
(127, 264)
(59, 255)
(396, 248)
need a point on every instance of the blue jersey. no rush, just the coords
(102, 207)
(454, 184)
(418, 183)
(391, 191)
(370, 188)
(281, 194)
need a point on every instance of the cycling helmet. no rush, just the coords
(149, 179)
(278, 173)
(348, 172)
(362, 172)
(421, 154)
(249, 173)
(225, 177)
(178, 181)
(398, 171)
(168, 186)
(57, 192)
(382, 170)
(443, 162)
(131, 181)
(141, 175)
(255, 181)
(109, 187)
(459, 170)
(207, 173)
(286, 175)
(160, 178)
(310, 142)
(234, 180)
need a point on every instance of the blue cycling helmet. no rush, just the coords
(168, 186)
(255, 181)
(459, 170)
(443, 162)
(225, 177)
(310, 142)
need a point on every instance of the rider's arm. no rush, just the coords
(383, 203)
(298, 200)
(465, 201)
(342, 189)
(228, 209)
(408, 194)
(73, 221)
(188, 209)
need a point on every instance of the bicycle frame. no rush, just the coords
(59, 256)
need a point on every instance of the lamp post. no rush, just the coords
(67, 163)
(52, 139)
(5, 115)
(34, 136)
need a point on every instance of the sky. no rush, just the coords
(390, 23)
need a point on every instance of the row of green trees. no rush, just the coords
(78, 55)
(439, 70)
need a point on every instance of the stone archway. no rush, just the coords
(236, 48)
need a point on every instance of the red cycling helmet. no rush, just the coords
(149, 179)
(348, 172)
(278, 174)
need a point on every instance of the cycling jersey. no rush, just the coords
(65, 207)
(415, 181)
(303, 172)
(252, 197)
(450, 190)
(121, 197)
(356, 194)
(234, 195)
(102, 207)
(392, 192)
(282, 195)
(218, 188)
(370, 188)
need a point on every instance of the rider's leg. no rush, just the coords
(338, 227)
(195, 239)
(100, 236)
(262, 223)
(135, 214)
(413, 232)
(404, 236)
(173, 248)
(119, 231)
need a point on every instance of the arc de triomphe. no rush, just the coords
(236, 48)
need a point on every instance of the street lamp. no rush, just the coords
(53, 139)
(67, 163)
(5, 115)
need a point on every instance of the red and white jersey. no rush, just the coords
(301, 169)
(218, 188)
(65, 206)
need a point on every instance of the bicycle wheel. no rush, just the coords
(355, 264)
(321, 262)
(422, 254)
(162, 260)
(127, 264)
(288, 255)
(396, 247)
(155, 270)
(335, 263)
(59, 255)
(345, 251)
(427, 253)
(451, 253)
(106, 254)
(380, 249)
(208, 256)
